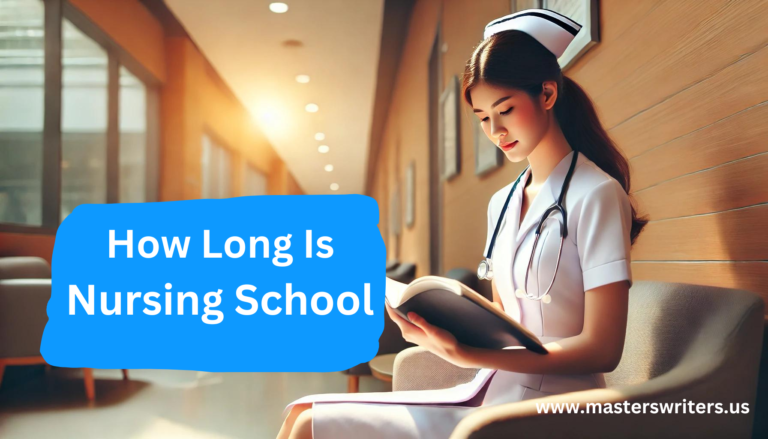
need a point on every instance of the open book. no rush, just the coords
(453, 306)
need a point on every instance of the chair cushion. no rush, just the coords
(24, 267)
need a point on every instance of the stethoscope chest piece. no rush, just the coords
(485, 270)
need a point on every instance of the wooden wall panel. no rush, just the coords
(750, 276)
(740, 135)
(673, 47)
(734, 235)
(737, 184)
(735, 88)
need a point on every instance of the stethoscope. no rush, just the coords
(485, 269)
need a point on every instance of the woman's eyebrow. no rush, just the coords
(494, 104)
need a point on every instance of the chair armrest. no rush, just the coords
(417, 368)
(23, 316)
(525, 420)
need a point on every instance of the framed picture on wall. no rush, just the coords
(449, 129)
(410, 193)
(584, 12)
(488, 156)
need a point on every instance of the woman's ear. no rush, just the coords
(549, 94)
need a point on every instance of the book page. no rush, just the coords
(394, 291)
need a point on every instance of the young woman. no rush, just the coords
(575, 303)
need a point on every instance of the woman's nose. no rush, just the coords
(497, 130)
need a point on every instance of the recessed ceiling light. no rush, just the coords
(278, 8)
(334, 186)
(319, 136)
(302, 79)
(322, 149)
(329, 168)
(312, 108)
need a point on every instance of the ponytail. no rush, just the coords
(582, 129)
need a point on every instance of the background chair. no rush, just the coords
(404, 272)
(391, 265)
(691, 342)
(25, 288)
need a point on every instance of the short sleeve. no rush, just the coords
(603, 235)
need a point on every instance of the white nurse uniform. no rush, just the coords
(596, 252)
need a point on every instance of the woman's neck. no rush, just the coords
(550, 151)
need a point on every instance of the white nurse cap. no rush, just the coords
(554, 31)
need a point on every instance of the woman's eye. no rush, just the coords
(503, 113)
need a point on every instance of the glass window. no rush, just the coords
(133, 138)
(22, 77)
(83, 120)
(216, 167)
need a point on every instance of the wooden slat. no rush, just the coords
(737, 136)
(737, 235)
(750, 276)
(616, 57)
(737, 184)
(695, 40)
(739, 86)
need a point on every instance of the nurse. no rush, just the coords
(533, 113)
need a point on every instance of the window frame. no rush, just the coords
(55, 11)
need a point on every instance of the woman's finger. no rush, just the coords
(407, 328)
(419, 321)
(432, 331)
(396, 317)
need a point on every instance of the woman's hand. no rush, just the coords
(437, 340)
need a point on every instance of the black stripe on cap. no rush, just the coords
(570, 29)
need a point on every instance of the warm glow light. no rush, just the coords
(319, 136)
(329, 168)
(302, 79)
(278, 8)
(270, 118)
(312, 108)
(334, 186)
(322, 149)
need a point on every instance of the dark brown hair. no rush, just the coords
(514, 59)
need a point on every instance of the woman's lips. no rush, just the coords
(509, 145)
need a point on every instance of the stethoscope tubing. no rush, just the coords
(557, 206)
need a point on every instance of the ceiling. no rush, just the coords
(341, 39)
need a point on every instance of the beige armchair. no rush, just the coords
(25, 288)
(691, 342)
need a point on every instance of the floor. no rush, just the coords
(160, 403)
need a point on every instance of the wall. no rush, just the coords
(682, 88)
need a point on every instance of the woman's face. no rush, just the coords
(509, 115)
